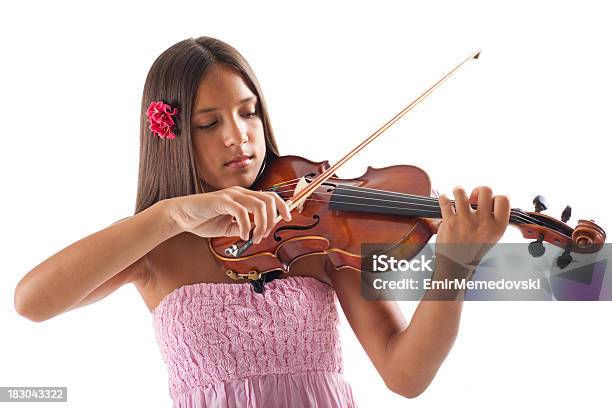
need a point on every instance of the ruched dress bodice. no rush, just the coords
(226, 346)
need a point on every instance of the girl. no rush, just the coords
(205, 137)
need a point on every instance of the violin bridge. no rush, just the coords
(302, 184)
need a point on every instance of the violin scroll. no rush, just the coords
(588, 237)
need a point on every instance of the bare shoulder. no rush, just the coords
(186, 259)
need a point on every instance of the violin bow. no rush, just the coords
(295, 201)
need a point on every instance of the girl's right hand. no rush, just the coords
(226, 213)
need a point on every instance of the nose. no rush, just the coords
(235, 133)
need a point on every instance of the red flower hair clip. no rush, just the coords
(160, 119)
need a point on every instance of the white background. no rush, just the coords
(531, 116)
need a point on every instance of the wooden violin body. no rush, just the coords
(318, 228)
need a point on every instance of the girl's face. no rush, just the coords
(225, 125)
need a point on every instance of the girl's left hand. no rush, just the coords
(466, 234)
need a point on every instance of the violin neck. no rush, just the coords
(362, 199)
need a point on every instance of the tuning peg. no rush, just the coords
(566, 214)
(536, 248)
(540, 203)
(565, 259)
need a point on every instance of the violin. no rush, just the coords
(392, 204)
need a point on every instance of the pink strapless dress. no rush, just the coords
(227, 346)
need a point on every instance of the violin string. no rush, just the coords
(515, 215)
(519, 214)
(526, 218)
(423, 198)
(283, 183)
(429, 202)
(379, 192)
(433, 202)
(375, 191)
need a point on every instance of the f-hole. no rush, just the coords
(297, 227)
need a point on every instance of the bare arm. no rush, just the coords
(414, 355)
(408, 356)
(94, 265)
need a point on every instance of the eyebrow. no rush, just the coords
(205, 110)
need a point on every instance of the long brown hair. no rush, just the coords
(167, 167)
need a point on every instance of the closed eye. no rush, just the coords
(211, 125)
(207, 126)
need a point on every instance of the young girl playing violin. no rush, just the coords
(205, 137)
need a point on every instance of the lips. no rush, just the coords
(238, 159)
